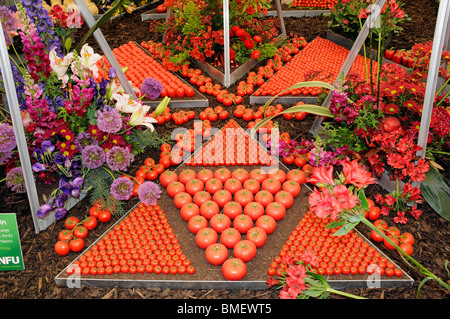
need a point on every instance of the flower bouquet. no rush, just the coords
(81, 134)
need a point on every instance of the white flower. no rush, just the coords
(89, 59)
(139, 117)
(60, 65)
(124, 103)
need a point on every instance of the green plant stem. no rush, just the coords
(365, 55)
(421, 268)
(345, 294)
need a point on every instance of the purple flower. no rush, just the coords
(93, 156)
(122, 188)
(149, 193)
(60, 213)
(84, 139)
(5, 157)
(15, 180)
(44, 210)
(151, 88)
(109, 121)
(119, 158)
(38, 167)
(7, 138)
(47, 147)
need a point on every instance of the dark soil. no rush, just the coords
(42, 264)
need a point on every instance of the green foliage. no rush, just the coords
(337, 136)
(436, 191)
(143, 139)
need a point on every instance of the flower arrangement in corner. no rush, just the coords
(81, 133)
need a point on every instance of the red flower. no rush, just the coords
(322, 176)
(356, 174)
(400, 218)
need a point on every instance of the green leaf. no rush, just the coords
(345, 229)
(68, 44)
(336, 224)
(364, 203)
(436, 191)
(308, 108)
(421, 284)
(105, 17)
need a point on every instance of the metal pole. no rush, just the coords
(226, 38)
(19, 133)
(89, 18)
(440, 34)
(359, 42)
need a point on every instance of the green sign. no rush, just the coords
(10, 250)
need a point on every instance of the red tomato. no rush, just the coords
(278, 174)
(252, 185)
(257, 235)
(284, 198)
(167, 177)
(258, 174)
(219, 222)
(222, 174)
(65, 235)
(186, 175)
(267, 223)
(376, 237)
(264, 197)
(276, 210)
(374, 213)
(71, 222)
(196, 223)
(407, 238)
(254, 210)
(232, 209)
(213, 185)
(243, 197)
(272, 185)
(205, 174)
(234, 269)
(242, 223)
(245, 250)
(76, 244)
(201, 197)
(205, 237)
(194, 186)
(90, 222)
(182, 198)
(80, 231)
(62, 248)
(209, 208)
(297, 175)
(240, 174)
(407, 248)
(174, 188)
(222, 197)
(104, 216)
(233, 185)
(216, 254)
(188, 210)
(293, 187)
(230, 236)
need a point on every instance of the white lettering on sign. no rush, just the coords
(3, 222)
(7, 259)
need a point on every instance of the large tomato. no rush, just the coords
(205, 174)
(243, 223)
(240, 174)
(267, 223)
(252, 185)
(254, 210)
(62, 248)
(188, 210)
(182, 198)
(76, 244)
(219, 222)
(277, 174)
(234, 269)
(264, 198)
(186, 175)
(174, 188)
(245, 250)
(205, 237)
(209, 209)
(258, 174)
(230, 236)
(213, 185)
(276, 210)
(167, 177)
(196, 223)
(216, 254)
(201, 197)
(222, 197)
(194, 186)
(257, 235)
(232, 209)
(223, 174)
(233, 185)
(272, 185)
(284, 198)
(243, 197)
(296, 175)
(90, 222)
(292, 187)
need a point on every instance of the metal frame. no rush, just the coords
(359, 42)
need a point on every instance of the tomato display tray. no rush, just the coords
(207, 276)
(307, 99)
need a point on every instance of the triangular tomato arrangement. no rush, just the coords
(142, 242)
(348, 254)
(231, 146)
(232, 210)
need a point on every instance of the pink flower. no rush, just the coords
(321, 176)
(308, 257)
(328, 206)
(356, 174)
(344, 196)
(400, 218)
